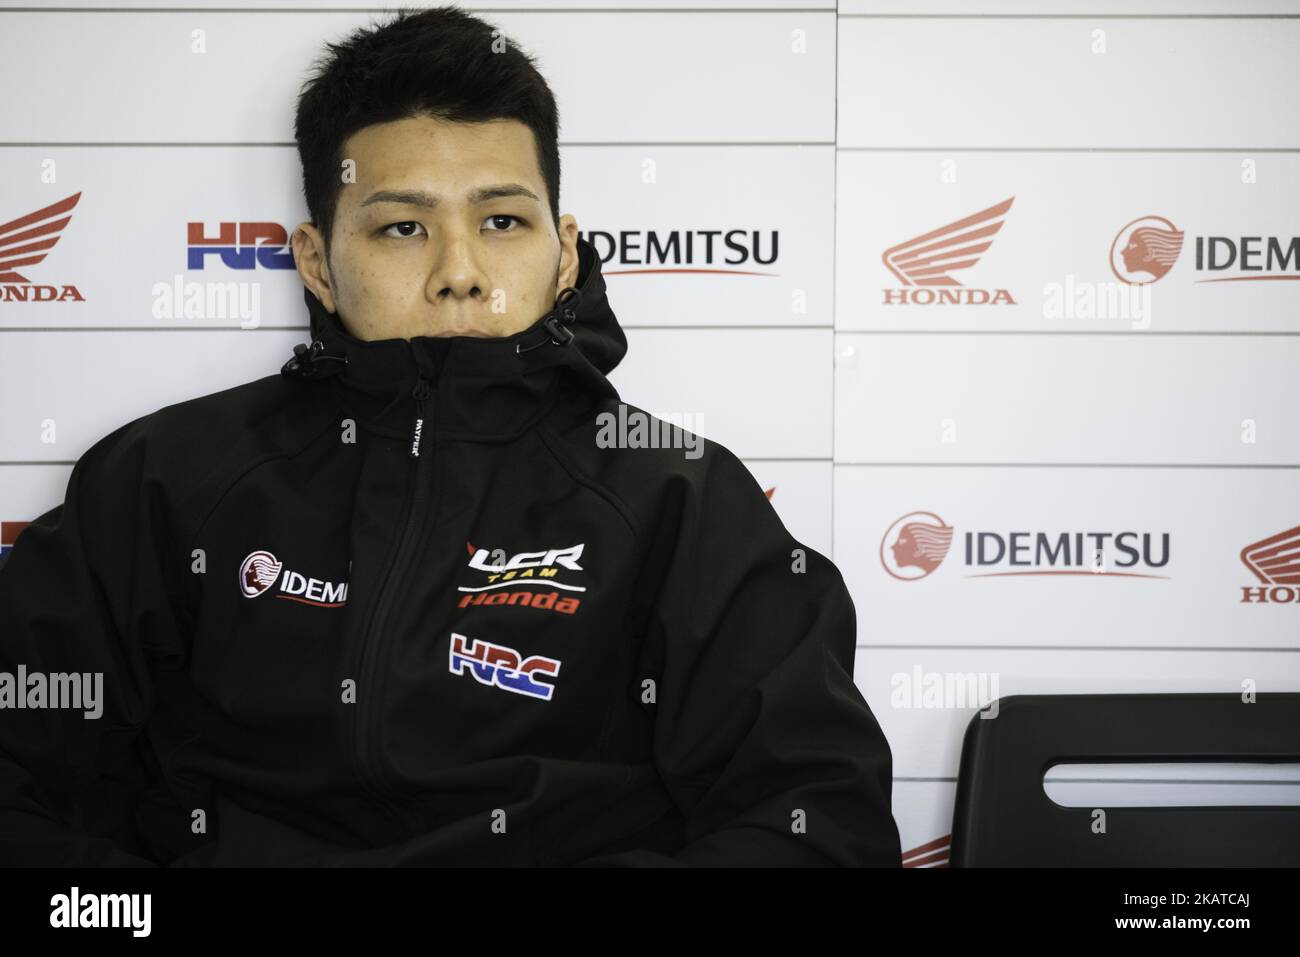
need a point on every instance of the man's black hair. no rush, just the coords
(440, 62)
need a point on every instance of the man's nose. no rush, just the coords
(456, 270)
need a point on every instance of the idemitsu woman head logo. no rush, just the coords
(915, 545)
(258, 573)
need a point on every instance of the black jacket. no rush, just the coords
(398, 605)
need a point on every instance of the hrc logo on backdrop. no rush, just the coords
(259, 244)
(500, 666)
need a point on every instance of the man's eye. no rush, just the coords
(404, 234)
(502, 216)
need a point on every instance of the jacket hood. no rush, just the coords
(483, 387)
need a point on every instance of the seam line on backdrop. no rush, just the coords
(1068, 465)
(1237, 782)
(263, 328)
(1031, 332)
(1207, 649)
(743, 458)
(151, 329)
(835, 216)
(827, 9)
(1069, 16)
(927, 465)
(745, 328)
(1062, 149)
(743, 143)
(814, 459)
(281, 145)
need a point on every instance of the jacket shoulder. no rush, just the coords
(267, 405)
(181, 450)
(650, 463)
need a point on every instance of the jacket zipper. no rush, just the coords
(369, 770)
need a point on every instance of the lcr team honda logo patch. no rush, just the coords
(527, 579)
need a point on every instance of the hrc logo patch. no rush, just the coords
(499, 666)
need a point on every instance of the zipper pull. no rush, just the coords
(420, 393)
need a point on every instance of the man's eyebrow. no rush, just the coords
(417, 197)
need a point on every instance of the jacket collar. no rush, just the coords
(485, 388)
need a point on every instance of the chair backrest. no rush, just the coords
(1003, 817)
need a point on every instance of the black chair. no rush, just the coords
(1003, 817)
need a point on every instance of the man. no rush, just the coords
(406, 603)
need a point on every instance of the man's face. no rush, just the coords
(446, 232)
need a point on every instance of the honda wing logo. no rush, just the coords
(26, 241)
(927, 260)
(924, 264)
(1275, 561)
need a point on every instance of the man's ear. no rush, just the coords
(569, 259)
(313, 267)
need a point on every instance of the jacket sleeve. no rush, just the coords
(761, 736)
(81, 593)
